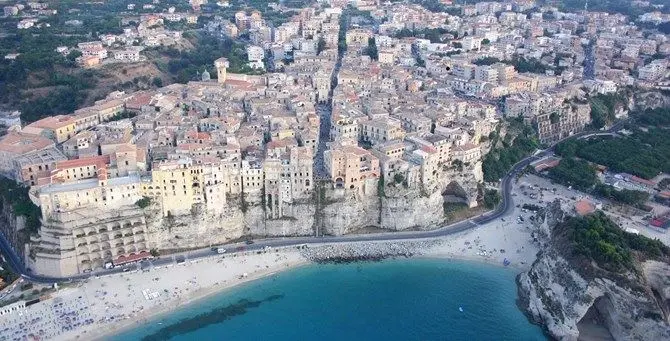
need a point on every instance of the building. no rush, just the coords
(221, 65)
(82, 240)
(31, 167)
(349, 166)
(467, 153)
(556, 125)
(59, 128)
(358, 37)
(15, 145)
(129, 55)
(381, 130)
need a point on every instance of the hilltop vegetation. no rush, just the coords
(644, 153)
(574, 172)
(599, 239)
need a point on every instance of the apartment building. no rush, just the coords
(381, 130)
(59, 128)
(82, 240)
(349, 166)
(15, 145)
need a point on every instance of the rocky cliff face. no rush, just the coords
(11, 226)
(331, 211)
(573, 300)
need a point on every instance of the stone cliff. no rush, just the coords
(330, 211)
(576, 298)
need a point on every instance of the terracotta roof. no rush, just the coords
(53, 122)
(19, 143)
(584, 207)
(98, 161)
(132, 257)
(642, 181)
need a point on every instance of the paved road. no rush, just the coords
(504, 209)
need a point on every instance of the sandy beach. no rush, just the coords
(105, 306)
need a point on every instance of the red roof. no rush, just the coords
(642, 181)
(584, 207)
(657, 222)
(132, 257)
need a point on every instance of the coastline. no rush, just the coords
(147, 317)
(442, 248)
(114, 304)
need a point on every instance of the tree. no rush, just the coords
(486, 61)
(457, 45)
(491, 198)
(73, 55)
(321, 45)
(485, 41)
(144, 202)
(157, 82)
(371, 50)
(575, 172)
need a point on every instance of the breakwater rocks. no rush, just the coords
(356, 252)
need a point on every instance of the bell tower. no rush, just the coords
(221, 64)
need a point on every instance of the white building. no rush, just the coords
(130, 55)
(255, 53)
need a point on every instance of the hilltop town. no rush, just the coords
(345, 117)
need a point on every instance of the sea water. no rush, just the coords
(409, 299)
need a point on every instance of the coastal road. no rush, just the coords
(504, 209)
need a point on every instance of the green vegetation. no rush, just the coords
(518, 143)
(582, 175)
(419, 61)
(645, 154)
(653, 117)
(598, 238)
(154, 252)
(576, 173)
(16, 195)
(610, 6)
(453, 208)
(40, 66)
(432, 34)
(520, 64)
(437, 7)
(185, 66)
(321, 45)
(122, 115)
(144, 202)
(528, 65)
(342, 34)
(491, 198)
(603, 108)
(624, 196)
(486, 61)
(398, 178)
(371, 50)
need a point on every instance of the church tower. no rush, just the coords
(221, 65)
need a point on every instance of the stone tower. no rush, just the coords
(221, 65)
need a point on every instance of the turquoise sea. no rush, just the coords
(409, 299)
